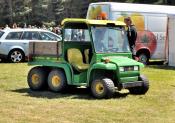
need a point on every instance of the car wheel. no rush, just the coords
(143, 89)
(37, 78)
(57, 80)
(143, 58)
(102, 88)
(16, 56)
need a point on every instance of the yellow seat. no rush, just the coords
(75, 58)
(86, 53)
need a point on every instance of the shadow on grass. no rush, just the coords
(72, 93)
(156, 63)
(164, 67)
(160, 65)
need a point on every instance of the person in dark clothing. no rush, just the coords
(99, 35)
(131, 34)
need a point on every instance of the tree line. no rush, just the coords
(51, 12)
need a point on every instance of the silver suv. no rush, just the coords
(14, 43)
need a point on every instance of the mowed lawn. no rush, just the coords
(18, 104)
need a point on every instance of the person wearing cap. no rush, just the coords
(131, 34)
(102, 16)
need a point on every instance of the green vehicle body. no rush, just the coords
(119, 66)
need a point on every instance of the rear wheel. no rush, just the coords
(37, 78)
(16, 56)
(143, 58)
(143, 89)
(102, 88)
(57, 80)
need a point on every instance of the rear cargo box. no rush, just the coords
(44, 49)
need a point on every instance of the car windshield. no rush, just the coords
(109, 39)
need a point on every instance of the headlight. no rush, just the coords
(121, 69)
(136, 68)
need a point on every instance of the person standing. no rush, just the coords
(14, 26)
(7, 26)
(131, 34)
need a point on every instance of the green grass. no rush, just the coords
(18, 104)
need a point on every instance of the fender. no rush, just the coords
(142, 48)
(17, 47)
(100, 65)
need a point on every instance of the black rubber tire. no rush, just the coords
(57, 80)
(143, 58)
(143, 89)
(16, 56)
(37, 78)
(107, 88)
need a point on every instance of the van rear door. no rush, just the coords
(96, 10)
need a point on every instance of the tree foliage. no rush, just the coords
(52, 11)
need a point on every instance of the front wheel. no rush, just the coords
(16, 56)
(140, 90)
(102, 88)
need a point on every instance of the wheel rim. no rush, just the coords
(35, 79)
(56, 81)
(143, 58)
(99, 88)
(16, 56)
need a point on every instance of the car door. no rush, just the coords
(11, 41)
(27, 37)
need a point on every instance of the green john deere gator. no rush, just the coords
(92, 53)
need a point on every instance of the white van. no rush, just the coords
(171, 37)
(151, 23)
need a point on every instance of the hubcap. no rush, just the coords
(35, 79)
(99, 88)
(56, 81)
(16, 56)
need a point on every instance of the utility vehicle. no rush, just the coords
(92, 53)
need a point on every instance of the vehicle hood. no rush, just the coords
(122, 61)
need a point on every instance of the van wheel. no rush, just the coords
(37, 78)
(143, 58)
(16, 56)
(143, 89)
(57, 80)
(102, 88)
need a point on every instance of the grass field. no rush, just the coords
(18, 104)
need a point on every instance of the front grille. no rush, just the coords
(129, 68)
